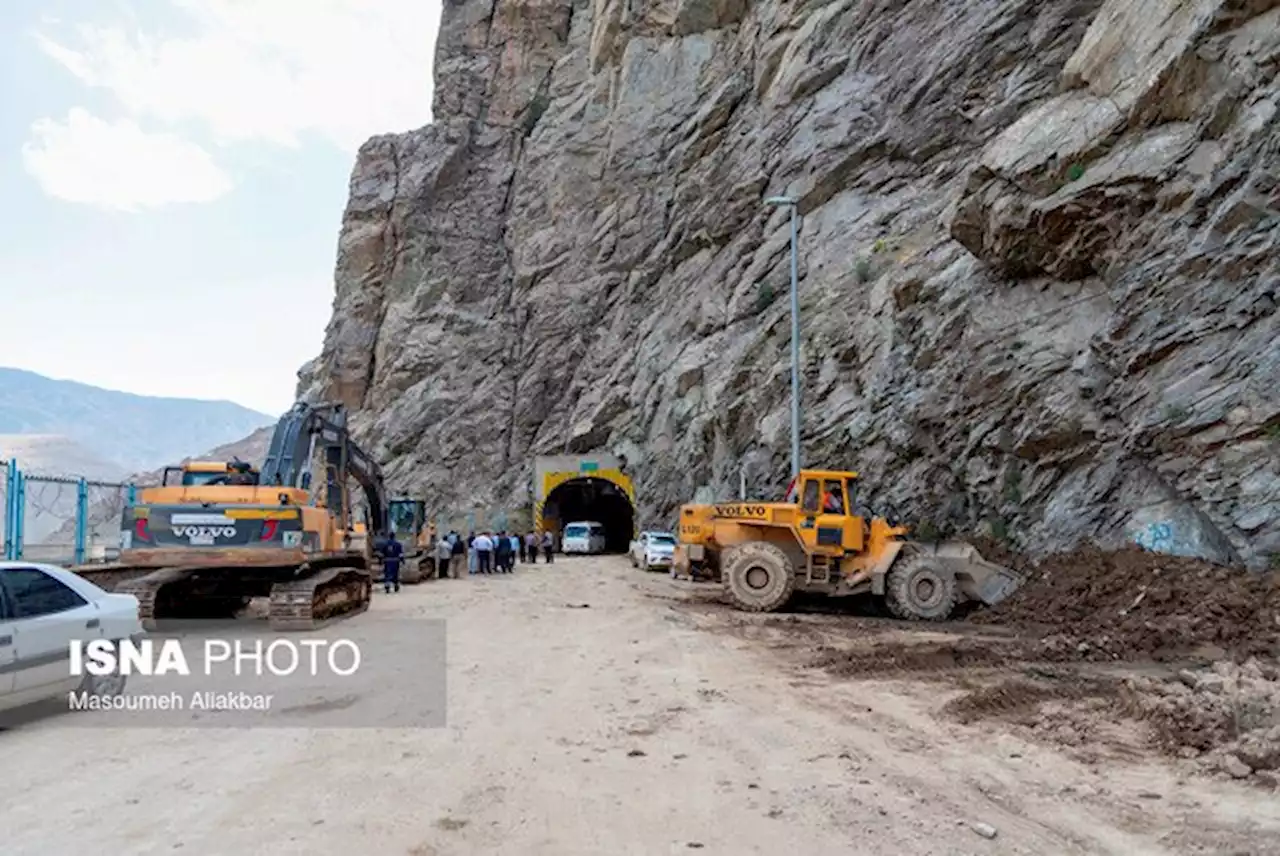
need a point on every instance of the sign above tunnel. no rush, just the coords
(588, 466)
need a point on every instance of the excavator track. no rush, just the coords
(313, 601)
(146, 590)
(303, 603)
(169, 593)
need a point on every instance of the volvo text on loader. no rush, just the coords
(818, 540)
(214, 535)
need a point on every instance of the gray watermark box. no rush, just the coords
(358, 673)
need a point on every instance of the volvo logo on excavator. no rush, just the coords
(204, 534)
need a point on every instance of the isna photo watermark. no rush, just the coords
(280, 657)
(218, 674)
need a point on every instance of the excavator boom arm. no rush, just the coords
(307, 428)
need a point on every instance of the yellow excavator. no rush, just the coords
(213, 535)
(819, 540)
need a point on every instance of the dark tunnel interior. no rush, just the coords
(585, 499)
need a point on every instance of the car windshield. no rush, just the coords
(575, 531)
(664, 540)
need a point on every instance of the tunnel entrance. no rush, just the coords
(600, 500)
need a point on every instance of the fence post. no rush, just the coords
(10, 500)
(19, 513)
(82, 519)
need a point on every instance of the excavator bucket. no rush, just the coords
(976, 578)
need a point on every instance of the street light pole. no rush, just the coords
(790, 202)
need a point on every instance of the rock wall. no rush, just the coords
(1039, 260)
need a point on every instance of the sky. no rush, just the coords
(172, 180)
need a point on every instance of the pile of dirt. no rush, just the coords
(1126, 604)
(1229, 714)
(1019, 696)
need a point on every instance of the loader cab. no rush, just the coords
(406, 518)
(826, 520)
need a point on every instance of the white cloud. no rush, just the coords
(117, 165)
(268, 70)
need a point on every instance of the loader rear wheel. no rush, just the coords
(758, 577)
(920, 589)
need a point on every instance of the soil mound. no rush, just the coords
(1231, 713)
(1130, 603)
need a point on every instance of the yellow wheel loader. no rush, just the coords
(816, 541)
(408, 520)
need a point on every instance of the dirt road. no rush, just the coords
(597, 710)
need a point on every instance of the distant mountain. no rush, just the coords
(132, 432)
(51, 453)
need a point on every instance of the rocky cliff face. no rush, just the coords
(1039, 259)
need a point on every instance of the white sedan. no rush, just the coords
(45, 609)
(653, 550)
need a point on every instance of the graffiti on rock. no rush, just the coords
(1156, 537)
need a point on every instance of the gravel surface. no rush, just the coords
(594, 709)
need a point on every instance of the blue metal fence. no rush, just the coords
(59, 518)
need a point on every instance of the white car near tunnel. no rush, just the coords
(653, 551)
(584, 536)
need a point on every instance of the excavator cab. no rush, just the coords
(208, 473)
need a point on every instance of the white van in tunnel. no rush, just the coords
(585, 536)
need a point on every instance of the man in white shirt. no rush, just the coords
(444, 552)
(484, 552)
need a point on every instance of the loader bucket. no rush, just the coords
(976, 578)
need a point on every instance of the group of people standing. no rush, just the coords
(454, 556)
(489, 553)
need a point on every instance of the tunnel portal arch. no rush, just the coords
(569, 489)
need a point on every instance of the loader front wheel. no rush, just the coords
(920, 590)
(758, 577)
